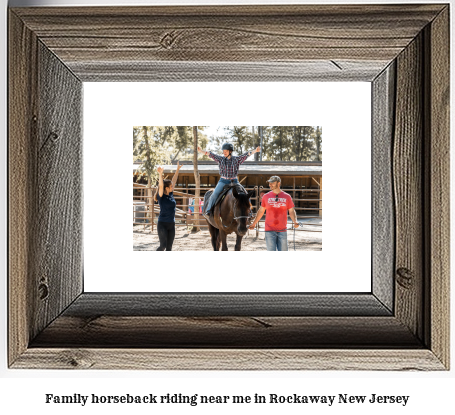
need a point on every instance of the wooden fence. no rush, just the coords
(146, 211)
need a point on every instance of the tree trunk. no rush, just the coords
(197, 180)
(318, 145)
(255, 144)
(305, 144)
(175, 157)
(281, 143)
(296, 143)
(149, 201)
(261, 135)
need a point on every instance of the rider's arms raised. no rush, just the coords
(248, 153)
(213, 156)
(199, 149)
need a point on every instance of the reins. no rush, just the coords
(241, 217)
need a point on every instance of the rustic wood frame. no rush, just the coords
(403, 324)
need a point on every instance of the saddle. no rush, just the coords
(226, 188)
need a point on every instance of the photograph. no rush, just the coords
(204, 188)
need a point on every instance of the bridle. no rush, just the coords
(241, 217)
(248, 218)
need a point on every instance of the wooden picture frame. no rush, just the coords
(403, 324)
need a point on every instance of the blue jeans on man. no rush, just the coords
(276, 241)
(218, 189)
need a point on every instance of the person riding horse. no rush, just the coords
(228, 166)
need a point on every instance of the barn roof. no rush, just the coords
(289, 168)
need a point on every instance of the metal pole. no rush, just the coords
(260, 154)
(259, 205)
(254, 141)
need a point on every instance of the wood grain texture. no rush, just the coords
(22, 94)
(439, 189)
(277, 34)
(44, 188)
(235, 359)
(383, 215)
(215, 305)
(58, 210)
(310, 71)
(255, 332)
(408, 174)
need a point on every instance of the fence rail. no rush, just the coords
(146, 211)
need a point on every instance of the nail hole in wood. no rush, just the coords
(53, 137)
(405, 278)
(43, 291)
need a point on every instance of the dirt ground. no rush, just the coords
(307, 238)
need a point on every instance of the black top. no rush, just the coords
(167, 207)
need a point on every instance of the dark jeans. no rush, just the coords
(166, 233)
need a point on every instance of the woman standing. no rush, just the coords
(229, 166)
(166, 219)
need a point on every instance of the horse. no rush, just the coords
(233, 214)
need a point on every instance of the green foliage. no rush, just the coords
(155, 146)
(158, 145)
(183, 147)
(150, 147)
(318, 143)
(240, 137)
(285, 143)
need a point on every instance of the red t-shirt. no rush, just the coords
(276, 215)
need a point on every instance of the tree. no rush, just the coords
(258, 156)
(318, 142)
(240, 137)
(172, 143)
(286, 143)
(266, 143)
(166, 144)
(281, 146)
(183, 148)
(149, 148)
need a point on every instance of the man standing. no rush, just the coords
(277, 203)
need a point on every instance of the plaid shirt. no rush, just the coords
(229, 167)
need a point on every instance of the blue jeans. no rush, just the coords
(276, 241)
(218, 189)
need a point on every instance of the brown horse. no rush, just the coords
(233, 214)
